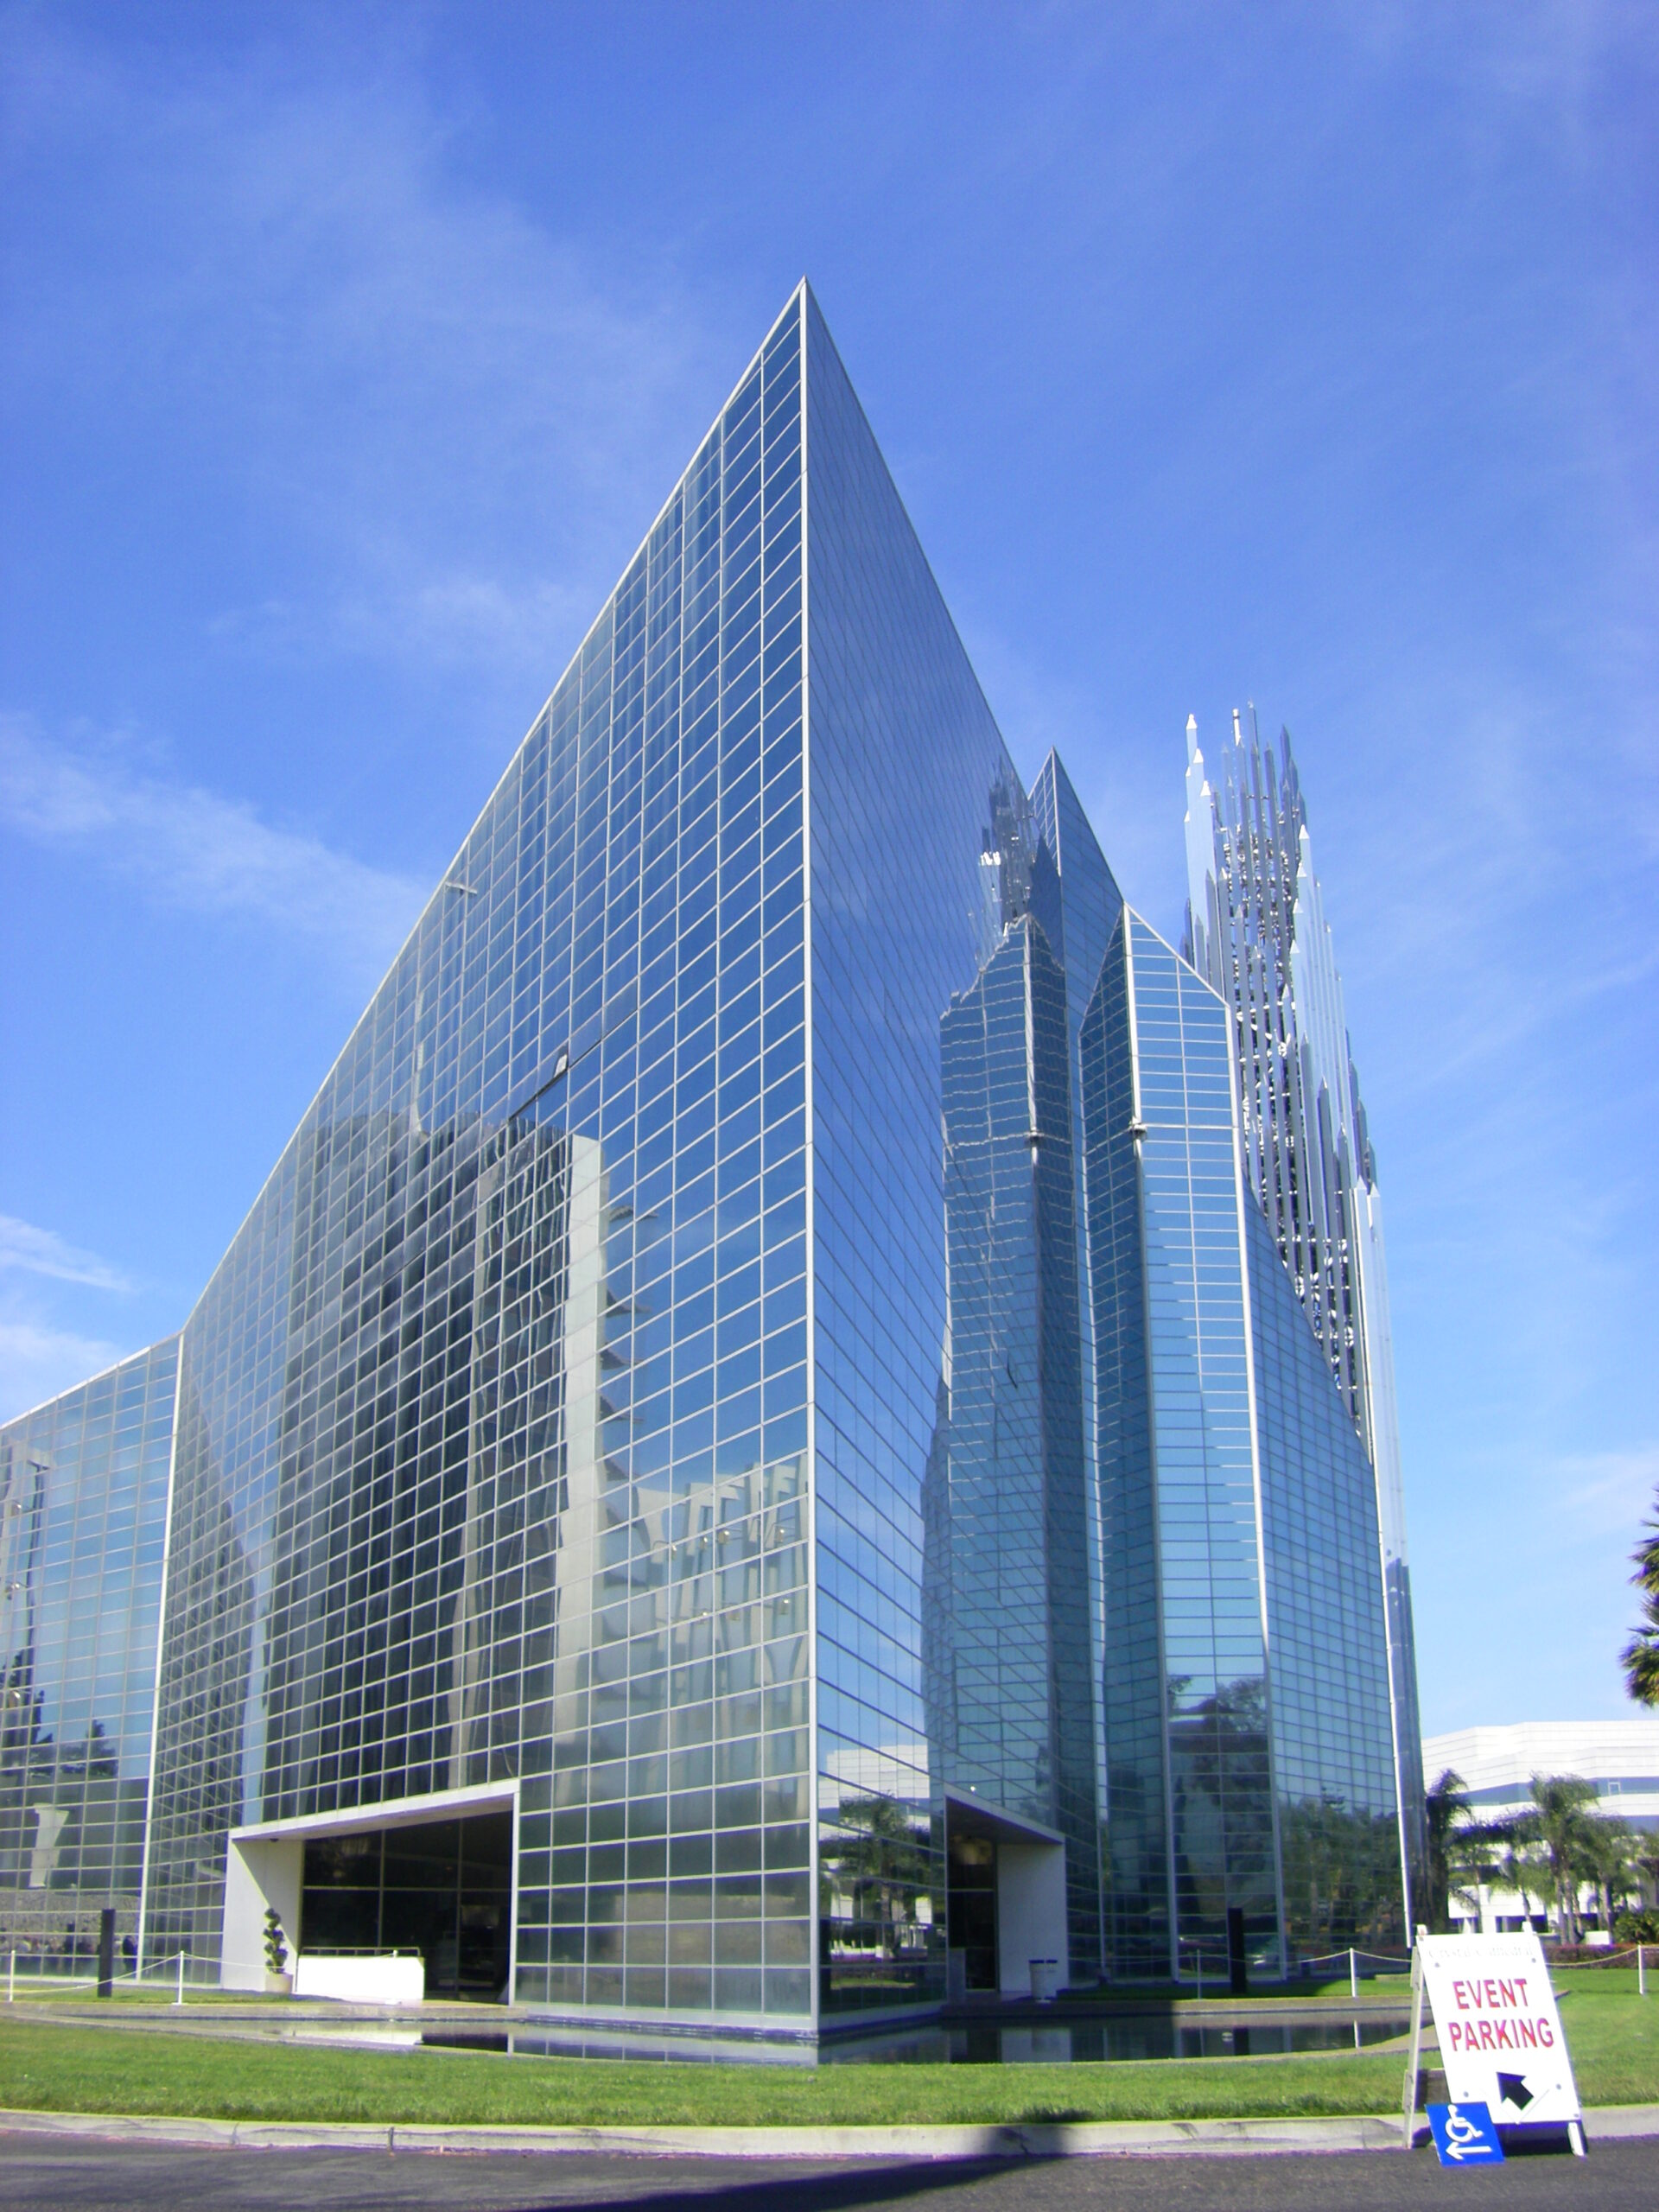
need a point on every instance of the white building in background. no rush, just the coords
(1497, 1766)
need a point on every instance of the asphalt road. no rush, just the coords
(77, 2176)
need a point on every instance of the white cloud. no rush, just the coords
(460, 419)
(43, 1252)
(37, 1361)
(1603, 1494)
(190, 848)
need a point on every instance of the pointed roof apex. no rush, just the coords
(1192, 739)
(1052, 756)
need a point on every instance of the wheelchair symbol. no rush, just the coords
(1463, 2134)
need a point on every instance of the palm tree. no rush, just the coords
(1610, 1862)
(881, 1864)
(1563, 1820)
(1444, 1808)
(1518, 1867)
(1641, 1654)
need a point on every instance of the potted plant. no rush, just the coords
(279, 1982)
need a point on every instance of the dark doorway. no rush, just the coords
(970, 1906)
(444, 1889)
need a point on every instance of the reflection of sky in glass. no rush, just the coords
(1234, 1487)
(752, 1335)
(948, 1423)
(1222, 1840)
(82, 1558)
(495, 1413)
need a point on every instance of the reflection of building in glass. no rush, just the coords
(719, 1468)
(1249, 1764)
(83, 1517)
(1256, 931)
(1014, 1722)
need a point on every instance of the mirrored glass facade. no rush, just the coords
(1256, 929)
(492, 1461)
(728, 1477)
(83, 1524)
(1246, 1690)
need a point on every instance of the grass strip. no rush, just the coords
(1614, 2040)
(111, 2070)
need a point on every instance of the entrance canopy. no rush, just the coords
(432, 1874)
(1005, 1898)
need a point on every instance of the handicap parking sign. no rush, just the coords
(1465, 2135)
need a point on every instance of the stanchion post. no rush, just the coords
(1353, 1973)
(1641, 1969)
(179, 1999)
(11, 1978)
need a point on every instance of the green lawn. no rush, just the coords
(1614, 2039)
(1613, 2036)
(76, 1994)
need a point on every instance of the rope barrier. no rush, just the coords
(50, 1973)
(1631, 1954)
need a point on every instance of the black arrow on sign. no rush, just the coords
(1513, 2090)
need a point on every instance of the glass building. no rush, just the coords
(747, 1469)
(83, 1523)
(1256, 931)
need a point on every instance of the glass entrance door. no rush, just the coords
(444, 1889)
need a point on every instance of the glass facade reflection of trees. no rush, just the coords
(83, 1522)
(759, 1345)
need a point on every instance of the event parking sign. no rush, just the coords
(1498, 2029)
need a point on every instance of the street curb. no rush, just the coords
(1608, 2123)
(1072, 2139)
(1105, 2138)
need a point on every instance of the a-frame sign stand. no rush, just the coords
(1414, 2056)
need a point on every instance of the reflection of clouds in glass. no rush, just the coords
(505, 1375)
(83, 1499)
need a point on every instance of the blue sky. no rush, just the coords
(1301, 354)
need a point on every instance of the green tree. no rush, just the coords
(879, 1865)
(1641, 1654)
(1469, 1863)
(1520, 1866)
(1563, 1819)
(1645, 1864)
(1445, 1809)
(1609, 1861)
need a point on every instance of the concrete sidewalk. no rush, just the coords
(1092, 2140)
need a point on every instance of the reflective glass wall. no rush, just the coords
(750, 1347)
(1246, 1690)
(1076, 898)
(1189, 1775)
(942, 1661)
(83, 1517)
(1332, 1751)
(491, 1460)
(1256, 931)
